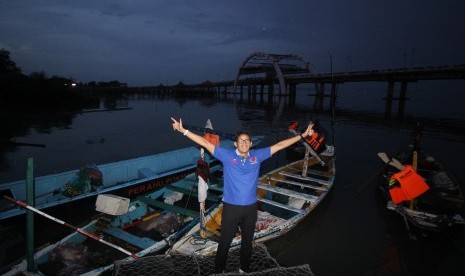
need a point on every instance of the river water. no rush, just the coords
(350, 232)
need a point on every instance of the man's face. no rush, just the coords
(243, 143)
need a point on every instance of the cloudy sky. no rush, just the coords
(147, 42)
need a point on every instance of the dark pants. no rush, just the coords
(233, 216)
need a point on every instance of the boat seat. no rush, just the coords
(290, 193)
(274, 203)
(169, 207)
(146, 173)
(306, 178)
(314, 172)
(192, 193)
(141, 242)
(304, 185)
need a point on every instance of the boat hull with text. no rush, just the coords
(127, 178)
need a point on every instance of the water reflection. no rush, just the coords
(346, 234)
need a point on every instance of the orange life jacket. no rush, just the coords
(411, 186)
(293, 125)
(212, 138)
(315, 141)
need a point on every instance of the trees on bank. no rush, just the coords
(36, 91)
(35, 102)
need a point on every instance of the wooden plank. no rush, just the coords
(310, 171)
(288, 192)
(319, 173)
(274, 203)
(210, 197)
(169, 207)
(141, 242)
(307, 178)
(318, 188)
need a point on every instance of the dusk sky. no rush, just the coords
(147, 42)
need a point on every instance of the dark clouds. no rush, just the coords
(148, 42)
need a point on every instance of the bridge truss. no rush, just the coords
(271, 67)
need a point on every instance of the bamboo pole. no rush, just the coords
(82, 231)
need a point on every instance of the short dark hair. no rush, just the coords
(241, 132)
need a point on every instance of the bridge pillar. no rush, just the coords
(225, 95)
(389, 98)
(270, 92)
(254, 93)
(402, 98)
(318, 87)
(333, 95)
(292, 92)
(319, 95)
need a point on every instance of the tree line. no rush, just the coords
(38, 92)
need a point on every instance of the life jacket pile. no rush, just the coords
(406, 185)
(316, 141)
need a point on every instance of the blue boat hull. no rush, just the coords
(128, 178)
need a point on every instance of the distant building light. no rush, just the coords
(73, 84)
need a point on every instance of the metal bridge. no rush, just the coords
(260, 72)
(290, 70)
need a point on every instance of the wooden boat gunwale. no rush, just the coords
(262, 235)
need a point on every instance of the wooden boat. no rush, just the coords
(440, 206)
(285, 196)
(128, 178)
(145, 225)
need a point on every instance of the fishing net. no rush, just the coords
(77, 186)
(180, 264)
(88, 178)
